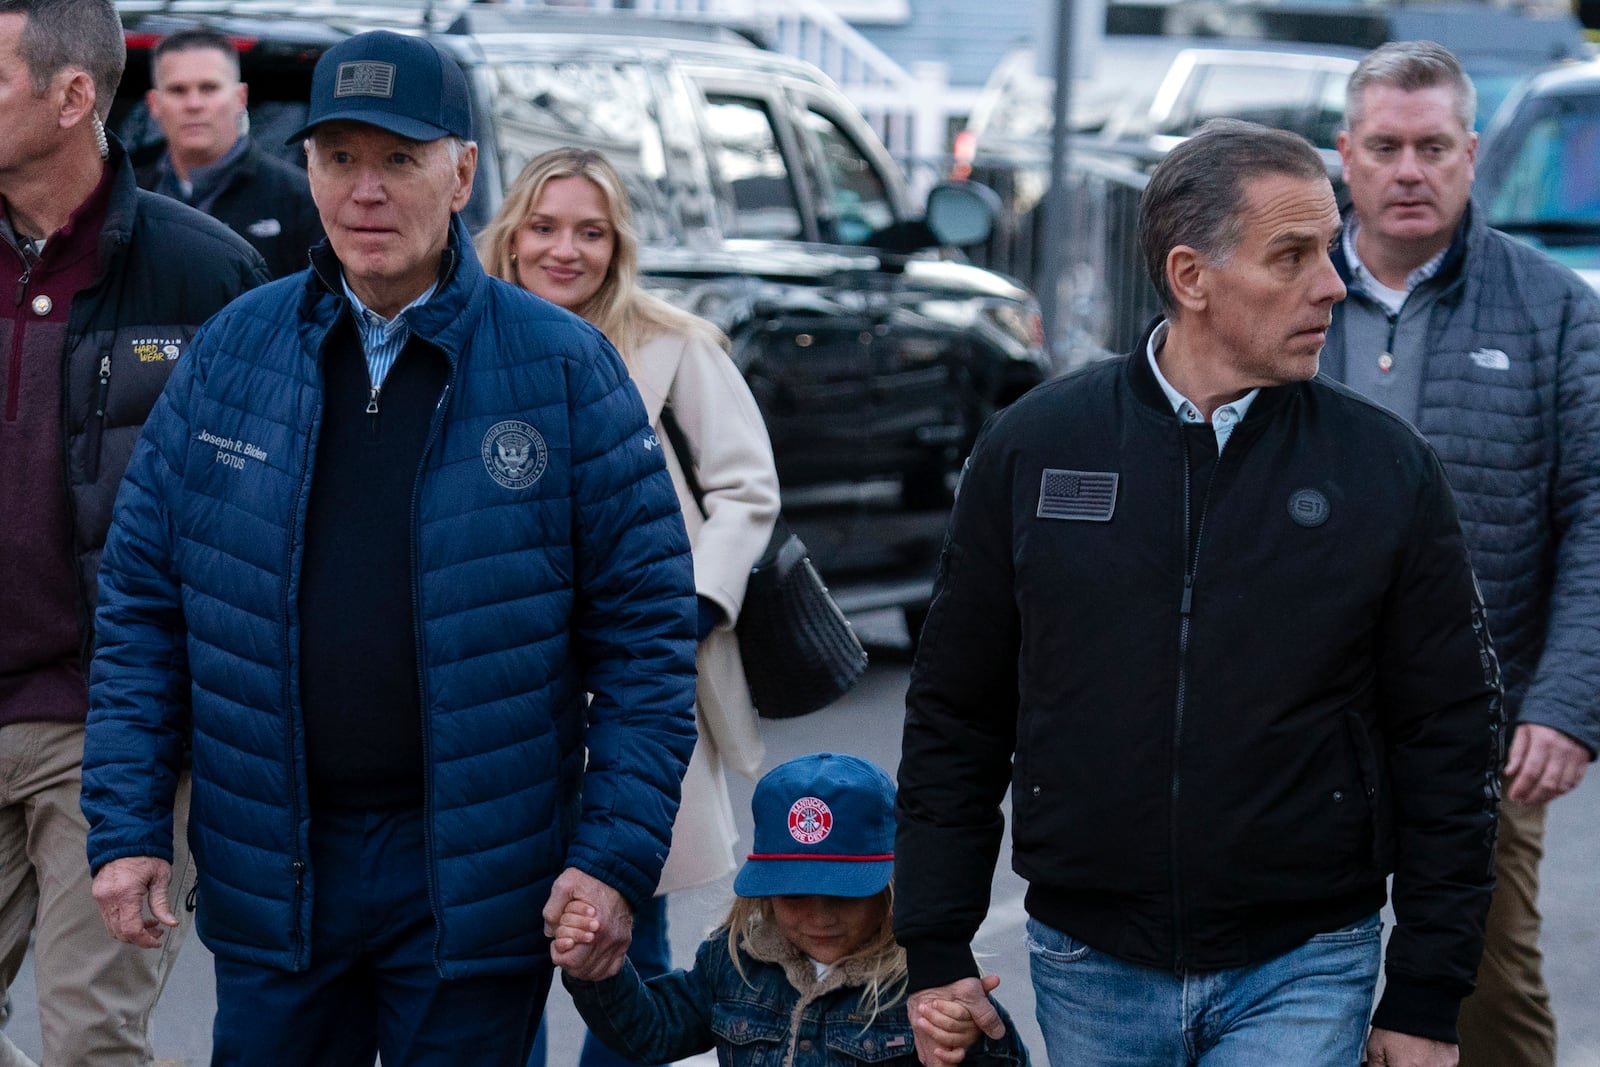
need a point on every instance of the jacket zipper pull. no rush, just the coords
(97, 426)
(372, 401)
(105, 386)
(1188, 594)
(22, 285)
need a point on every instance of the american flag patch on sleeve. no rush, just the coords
(1082, 496)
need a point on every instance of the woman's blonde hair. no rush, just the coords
(881, 959)
(622, 311)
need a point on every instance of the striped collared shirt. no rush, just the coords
(1389, 298)
(381, 338)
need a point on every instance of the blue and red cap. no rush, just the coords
(824, 827)
(398, 83)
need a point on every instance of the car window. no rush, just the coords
(1553, 176)
(1268, 95)
(761, 200)
(1327, 117)
(602, 105)
(858, 203)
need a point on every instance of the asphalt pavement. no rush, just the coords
(867, 723)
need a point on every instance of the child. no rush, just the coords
(805, 970)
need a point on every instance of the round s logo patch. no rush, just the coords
(515, 454)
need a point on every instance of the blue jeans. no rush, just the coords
(372, 987)
(651, 954)
(1307, 1007)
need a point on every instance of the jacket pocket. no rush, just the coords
(1371, 777)
(888, 1037)
(749, 1034)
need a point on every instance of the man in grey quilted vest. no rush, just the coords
(1493, 351)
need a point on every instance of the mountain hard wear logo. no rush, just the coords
(515, 454)
(810, 820)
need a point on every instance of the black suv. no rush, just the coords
(766, 204)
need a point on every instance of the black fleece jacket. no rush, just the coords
(264, 200)
(1225, 711)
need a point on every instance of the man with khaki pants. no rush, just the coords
(1492, 350)
(108, 285)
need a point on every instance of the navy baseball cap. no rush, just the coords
(824, 827)
(401, 84)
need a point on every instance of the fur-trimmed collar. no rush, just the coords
(766, 944)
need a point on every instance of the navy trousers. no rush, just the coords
(372, 988)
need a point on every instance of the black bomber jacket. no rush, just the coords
(1229, 695)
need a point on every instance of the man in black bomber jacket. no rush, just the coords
(1212, 621)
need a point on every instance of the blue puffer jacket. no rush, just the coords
(1511, 402)
(531, 589)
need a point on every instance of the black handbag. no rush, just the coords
(800, 652)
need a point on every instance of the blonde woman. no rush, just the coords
(565, 233)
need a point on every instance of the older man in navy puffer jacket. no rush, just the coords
(398, 560)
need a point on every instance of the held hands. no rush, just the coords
(591, 925)
(575, 928)
(1385, 1048)
(1543, 764)
(947, 1020)
(122, 888)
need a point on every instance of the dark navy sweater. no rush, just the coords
(359, 686)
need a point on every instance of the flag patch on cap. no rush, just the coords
(1083, 496)
(366, 77)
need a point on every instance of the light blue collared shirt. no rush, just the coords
(1223, 420)
(381, 338)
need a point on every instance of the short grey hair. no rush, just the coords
(60, 34)
(1411, 66)
(1196, 195)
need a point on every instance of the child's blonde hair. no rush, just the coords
(881, 958)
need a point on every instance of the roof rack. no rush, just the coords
(478, 18)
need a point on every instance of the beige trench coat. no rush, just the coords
(733, 458)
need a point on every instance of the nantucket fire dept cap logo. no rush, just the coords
(515, 454)
(824, 825)
(810, 820)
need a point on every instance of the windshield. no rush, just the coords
(1552, 181)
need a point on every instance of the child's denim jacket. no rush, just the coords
(779, 1014)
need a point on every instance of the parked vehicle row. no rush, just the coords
(766, 204)
(1163, 70)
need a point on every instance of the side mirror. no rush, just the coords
(961, 214)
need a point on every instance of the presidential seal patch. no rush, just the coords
(515, 454)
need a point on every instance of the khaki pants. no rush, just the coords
(95, 994)
(1507, 1022)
